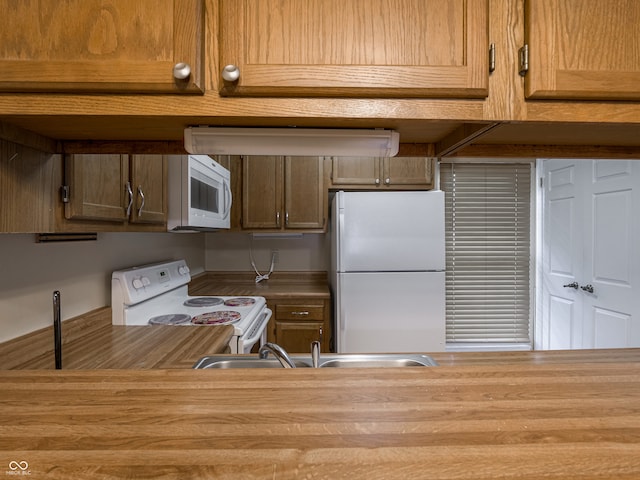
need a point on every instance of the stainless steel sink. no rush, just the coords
(226, 361)
(330, 360)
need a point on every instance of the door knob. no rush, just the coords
(571, 285)
(587, 288)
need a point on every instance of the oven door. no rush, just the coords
(255, 334)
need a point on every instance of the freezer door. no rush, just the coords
(390, 312)
(390, 231)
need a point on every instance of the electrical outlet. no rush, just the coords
(275, 255)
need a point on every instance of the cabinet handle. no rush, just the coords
(303, 313)
(278, 219)
(181, 71)
(587, 288)
(286, 219)
(571, 285)
(141, 193)
(230, 73)
(130, 193)
(321, 334)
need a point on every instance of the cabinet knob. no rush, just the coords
(387, 181)
(181, 71)
(230, 73)
(377, 181)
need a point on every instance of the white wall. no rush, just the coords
(231, 252)
(81, 271)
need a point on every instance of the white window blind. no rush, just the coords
(488, 251)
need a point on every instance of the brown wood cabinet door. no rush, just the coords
(355, 171)
(412, 172)
(96, 46)
(29, 188)
(148, 174)
(367, 48)
(296, 337)
(97, 187)
(583, 49)
(305, 195)
(262, 192)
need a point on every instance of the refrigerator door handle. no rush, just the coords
(339, 230)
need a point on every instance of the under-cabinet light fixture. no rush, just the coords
(291, 141)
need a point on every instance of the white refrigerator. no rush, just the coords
(388, 271)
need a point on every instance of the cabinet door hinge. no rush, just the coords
(523, 64)
(492, 57)
(65, 193)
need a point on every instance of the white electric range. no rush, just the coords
(157, 294)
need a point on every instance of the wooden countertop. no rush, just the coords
(280, 285)
(476, 422)
(91, 341)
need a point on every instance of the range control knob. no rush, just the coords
(137, 283)
(145, 281)
(183, 270)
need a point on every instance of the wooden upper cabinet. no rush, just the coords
(148, 179)
(281, 193)
(305, 197)
(262, 192)
(583, 49)
(96, 46)
(386, 173)
(116, 188)
(96, 187)
(355, 48)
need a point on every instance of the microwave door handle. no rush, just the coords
(227, 190)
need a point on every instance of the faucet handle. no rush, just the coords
(315, 353)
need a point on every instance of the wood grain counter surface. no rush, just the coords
(476, 422)
(279, 285)
(91, 341)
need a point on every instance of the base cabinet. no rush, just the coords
(298, 322)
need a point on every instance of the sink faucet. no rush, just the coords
(278, 352)
(315, 354)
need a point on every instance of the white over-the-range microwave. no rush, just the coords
(199, 194)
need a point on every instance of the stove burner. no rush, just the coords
(239, 302)
(203, 302)
(221, 317)
(170, 319)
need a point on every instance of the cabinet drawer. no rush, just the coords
(299, 312)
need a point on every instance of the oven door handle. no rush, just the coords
(258, 327)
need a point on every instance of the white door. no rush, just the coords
(390, 231)
(590, 270)
(390, 312)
